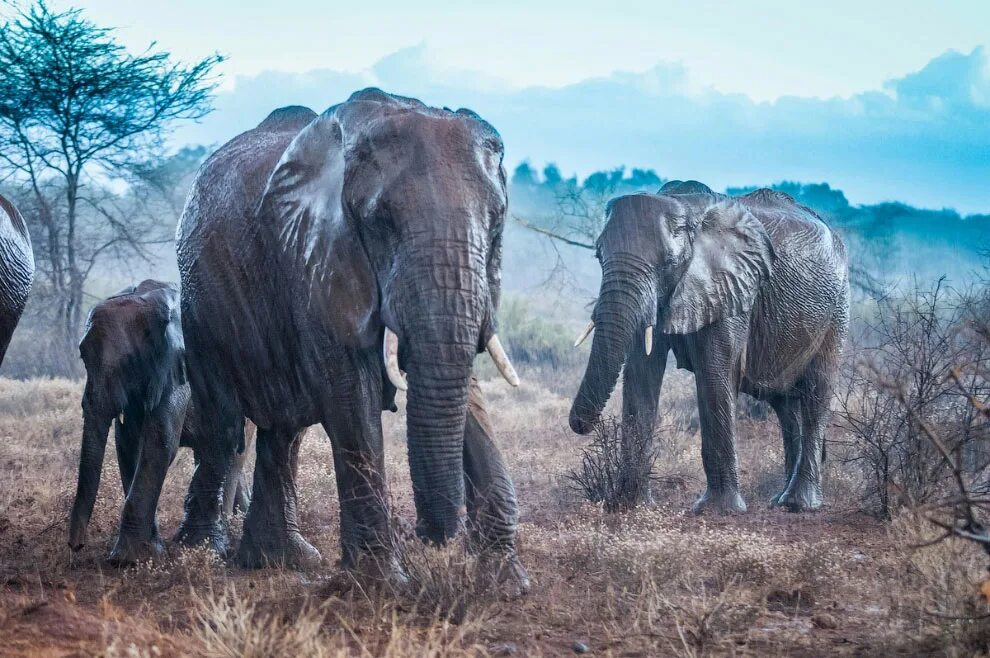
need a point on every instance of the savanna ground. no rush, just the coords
(654, 581)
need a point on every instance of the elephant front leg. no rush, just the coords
(271, 528)
(640, 397)
(156, 443)
(716, 376)
(366, 542)
(493, 513)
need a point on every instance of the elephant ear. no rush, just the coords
(304, 203)
(732, 255)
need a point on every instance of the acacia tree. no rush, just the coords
(78, 113)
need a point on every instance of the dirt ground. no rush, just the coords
(655, 581)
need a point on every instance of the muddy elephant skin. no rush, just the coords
(309, 243)
(16, 270)
(751, 294)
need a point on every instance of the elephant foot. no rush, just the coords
(78, 536)
(214, 536)
(266, 548)
(799, 497)
(505, 573)
(130, 548)
(727, 501)
(378, 570)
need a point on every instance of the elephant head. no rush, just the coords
(133, 351)
(392, 212)
(678, 261)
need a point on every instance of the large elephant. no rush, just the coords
(16, 270)
(306, 245)
(751, 294)
(136, 378)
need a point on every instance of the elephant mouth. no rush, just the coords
(390, 354)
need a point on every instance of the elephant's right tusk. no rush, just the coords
(390, 350)
(501, 360)
(648, 339)
(584, 334)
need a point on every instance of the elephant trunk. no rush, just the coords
(442, 322)
(95, 429)
(626, 305)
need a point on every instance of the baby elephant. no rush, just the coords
(135, 377)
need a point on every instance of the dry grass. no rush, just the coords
(645, 582)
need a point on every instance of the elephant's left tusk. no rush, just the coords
(390, 350)
(501, 360)
(584, 334)
(648, 339)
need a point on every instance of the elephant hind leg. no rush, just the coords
(804, 491)
(271, 528)
(788, 410)
(236, 490)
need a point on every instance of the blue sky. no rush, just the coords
(762, 48)
(885, 99)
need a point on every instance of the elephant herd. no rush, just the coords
(328, 261)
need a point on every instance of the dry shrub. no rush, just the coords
(228, 624)
(943, 580)
(617, 469)
(920, 359)
(231, 626)
(700, 587)
(38, 397)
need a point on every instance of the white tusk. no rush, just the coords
(584, 334)
(390, 350)
(649, 339)
(121, 418)
(501, 360)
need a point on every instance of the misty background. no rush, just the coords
(891, 146)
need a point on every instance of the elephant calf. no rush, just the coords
(133, 351)
(750, 293)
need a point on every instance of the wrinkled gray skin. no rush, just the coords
(16, 270)
(301, 241)
(135, 378)
(751, 294)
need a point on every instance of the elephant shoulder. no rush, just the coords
(229, 184)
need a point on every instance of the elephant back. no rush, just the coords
(133, 346)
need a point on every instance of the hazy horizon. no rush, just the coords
(888, 101)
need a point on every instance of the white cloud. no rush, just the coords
(924, 138)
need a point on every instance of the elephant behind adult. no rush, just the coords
(134, 356)
(317, 255)
(750, 293)
(16, 270)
